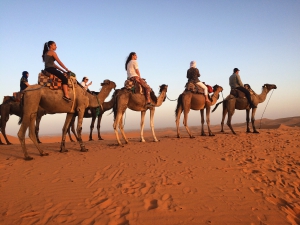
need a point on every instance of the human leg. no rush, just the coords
(247, 93)
(205, 91)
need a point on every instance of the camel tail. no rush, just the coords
(179, 104)
(21, 110)
(218, 105)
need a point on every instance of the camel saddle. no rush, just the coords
(239, 94)
(134, 86)
(49, 80)
(196, 89)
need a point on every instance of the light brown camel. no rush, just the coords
(136, 102)
(52, 102)
(11, 107)
(92, 113)
(231, 103)
(187, 101)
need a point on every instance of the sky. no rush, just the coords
(94, 38)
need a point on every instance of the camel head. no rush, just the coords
(108, 82)
(269, 86)
(162, 88)
(217, 87)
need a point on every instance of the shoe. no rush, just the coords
(66, 99)
(149, 105)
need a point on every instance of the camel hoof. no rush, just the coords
(256, 132)
(192, 137)
(9, 143)
(28, 158)
(44, 154)
(62, 151)
(203, 134)
(91, 140)
(100, 139)
(212, 135)
(84, 150)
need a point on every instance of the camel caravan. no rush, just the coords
(54, 95)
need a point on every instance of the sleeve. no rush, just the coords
(135, 65)
(238, 80)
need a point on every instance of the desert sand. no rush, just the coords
(225, 179)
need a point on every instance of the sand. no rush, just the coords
(225, 179)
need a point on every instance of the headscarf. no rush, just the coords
(24, 74)
(193, 64)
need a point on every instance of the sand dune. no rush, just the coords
(225, 179)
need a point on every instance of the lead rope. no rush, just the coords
(74, 94)
(171, 99)
(265, 109)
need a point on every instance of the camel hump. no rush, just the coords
(237, 93)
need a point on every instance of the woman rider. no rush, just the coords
(49, 56)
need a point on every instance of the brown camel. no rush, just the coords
(136, 102)
(231, 103)
(92, 113)
(11, 107)
(52, 102)
(188, 100)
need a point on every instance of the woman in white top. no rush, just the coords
(85, 84)
(133, 73)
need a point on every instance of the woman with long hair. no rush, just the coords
(133, 73)
(24, 81)
(49, 57)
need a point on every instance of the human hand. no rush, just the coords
(90, 83)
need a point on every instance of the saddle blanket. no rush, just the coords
(51, 81)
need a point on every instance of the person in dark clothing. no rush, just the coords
(236, 83)
(24, 81)
(49, 57)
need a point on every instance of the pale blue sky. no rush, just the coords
(261, 38)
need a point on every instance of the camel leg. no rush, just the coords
(37, 128)
(79, 129)
(202, 122)
(92, 128)
(178, 113)
(230, 114)
(21, 136)
(253, 120)
(64, 132)
(72, 128)
(115, 125)
(224, 113)
(142, 124)
(185, 119)
(152, 111)
(3, 126)
(248, 120)
(121, 127)
(208, 121)
(98, 126)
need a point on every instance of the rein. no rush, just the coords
(265, 109)
(171, 99)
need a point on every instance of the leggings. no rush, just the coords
(203, 86)
(246, 92)
(57, 73)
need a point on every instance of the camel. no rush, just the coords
(231, 103)
(52, 102)
(136, 102)
(187, 101)
(92, 113)
(11, 107)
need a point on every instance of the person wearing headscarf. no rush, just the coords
(24, 81)
(193, 75)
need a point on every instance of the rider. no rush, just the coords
(133, 73)
(236, 83)
(192, 75)
(24, 81)
(49, 56)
